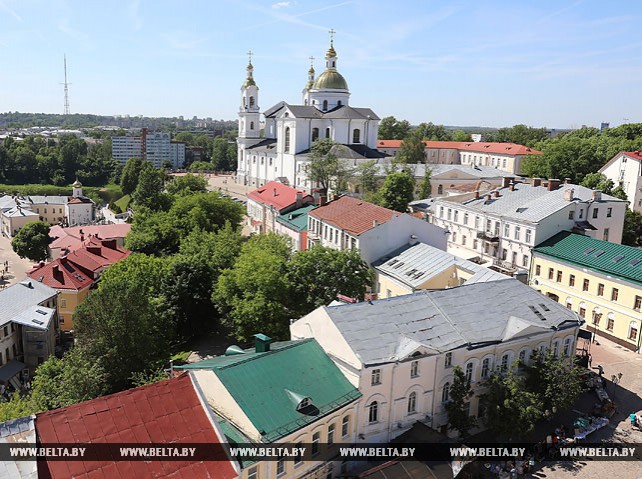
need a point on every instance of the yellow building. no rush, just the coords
(419, 266)
(601, 281)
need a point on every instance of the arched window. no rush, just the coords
(325, 105)
(286, 149)
(373, 412)
(315, 133)
(356, 135)
(522, 356)
(485, 368)
(505, 362)
(327, 132)
(251, 125)
(556, 348)
(412, 402)
(469, 372)
(445, 393)
(244, 102)
(251, 101)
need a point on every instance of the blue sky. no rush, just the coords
(547, 63)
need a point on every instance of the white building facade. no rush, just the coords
(290, 130)
(158, 149)
(625, 170)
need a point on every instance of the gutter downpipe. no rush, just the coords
(390, 407)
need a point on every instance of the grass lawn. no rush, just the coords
(123, 202)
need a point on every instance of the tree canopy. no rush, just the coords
(32, 240)
(392, 129)
(397, 191)
(325, 169)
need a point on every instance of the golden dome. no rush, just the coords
(330, 80)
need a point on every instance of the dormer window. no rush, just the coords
(325, 105)
(305, 403)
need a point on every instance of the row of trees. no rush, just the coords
(44, 160)
(514, 401)
(219, 153)
(392, 129)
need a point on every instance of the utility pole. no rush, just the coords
(66, 88)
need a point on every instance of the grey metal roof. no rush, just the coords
(526, 202)
(16, 212)
(308, 111)
(51, 200)
(21, 296)
(413, 265)
(264, 145)
(18, 431)
(436, 169)
(380, 331)
(38, 317)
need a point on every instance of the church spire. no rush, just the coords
(310, 74)
(331, 55)
(250, 72)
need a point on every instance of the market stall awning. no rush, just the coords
(10, 369)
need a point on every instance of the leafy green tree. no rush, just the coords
(366, 174)
(325, 168)
(459, 135)
(425, 188)
(598, 181)
(185, 137)
(201, 166)
(220, 152)
(121, 326)
(32, 241)
(392, 129)
(74, 378)
(153, 233)
(619, 192)
(218, 249)
(557, 381)
(205, 211)
(413, 149)
(149, 188)
(632, 228)
(129, 176)
(319, 274)
(253, 294)
(141, 378)
(457, 406)
(18, 406)
(520, 134)
(397, 191)
(187, 185)
(510, 410)
(430, 131)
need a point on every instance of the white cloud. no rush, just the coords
(280, 4)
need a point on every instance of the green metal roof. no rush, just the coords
(621, 261)
(262, 385)
(297, 219)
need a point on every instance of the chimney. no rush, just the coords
(413, 240)
(299, 199)
(536, 181)
(262, 343)
(597, 195)
(274, 192)
(567, 181)
(506, 180)
(553, 183)
(496, 193)
(82, 237)
(511, 186)
(375, 223)
(488, 197)
(322, 200)
(476, 194)
(569, 194)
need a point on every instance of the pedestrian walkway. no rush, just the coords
(226, 184)
(15, 268)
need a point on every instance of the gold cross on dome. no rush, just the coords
(332, 32)
(249, 54)
(311, 61)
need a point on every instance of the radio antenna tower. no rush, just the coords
(66, 89)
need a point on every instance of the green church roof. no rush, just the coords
(263, 385)
(330, 80)
(296, 219)
(621, 261)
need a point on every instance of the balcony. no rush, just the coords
(488, 236)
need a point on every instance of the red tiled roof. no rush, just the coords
(97, 254)
(634, 155)
(164, 412)
(353, 215)
(77, 200)
(277, 195)
(70, 238)
(61, 274)
(480, 147)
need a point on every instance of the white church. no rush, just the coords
(290, 130)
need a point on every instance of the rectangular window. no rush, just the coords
(514, 260)
(253, 473)
(600, 289)
(506, 231)
(606, 234)
(330, 434)
(414, 369)
(497, 229)
(375, 377)
(596, 318)
(448, 360)
(571, 214)
(581, 214)
(463, 240)
(571, 280)
(441, 211)
(633, 333)
(614, 294)
(517, 232)
(528, 235)
(454, 237)
(316, 438)
(609, 324)
(476, 222)
(525, 261)
(585, 285)
(609, 212)
(280, 466)
(595, 213)
(450, 214)
(637, 304)
(465, 218)
(538, 270)
(559, 277)
(550, 273)
(298, 458)
(489, 226)
(582, 313)
(456, 217)
(475, 244)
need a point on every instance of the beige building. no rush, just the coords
(599, 280)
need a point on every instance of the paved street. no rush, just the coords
(18, 266)
(614, 359)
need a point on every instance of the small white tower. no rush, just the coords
(330, 89)
(308, 86)
(249, 112)
(76, 189)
